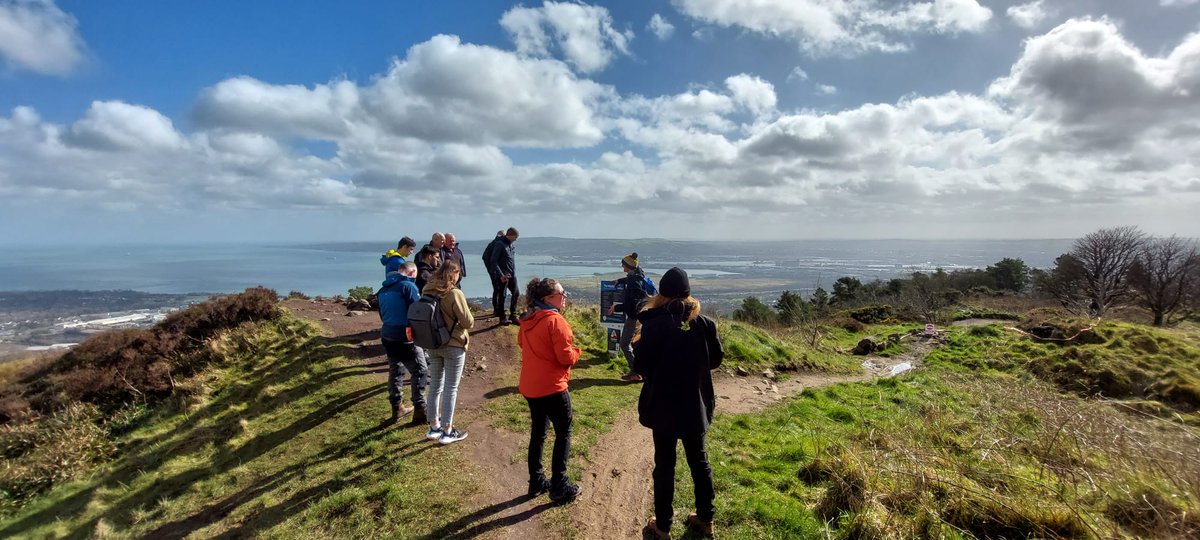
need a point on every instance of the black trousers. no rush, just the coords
(555, 408)
(498, 290)
(664, 476)
(402, 356)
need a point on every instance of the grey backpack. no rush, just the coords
(429, 329)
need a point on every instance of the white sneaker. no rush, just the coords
(453, 435)
(434, 434)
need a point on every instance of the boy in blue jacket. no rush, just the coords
(398, 293)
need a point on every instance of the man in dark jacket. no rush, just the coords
(398, 293)
(496, 243)
(504, 267)
(676, 354)
(427, 264)
(450, 252)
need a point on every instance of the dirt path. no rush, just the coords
(500, 509)
(616, 484)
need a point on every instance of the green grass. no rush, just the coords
(844, 462)
(1118, 360)
(282, 440)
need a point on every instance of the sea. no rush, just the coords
(329, 269)
(53, 297)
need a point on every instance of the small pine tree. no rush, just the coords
(754, 311)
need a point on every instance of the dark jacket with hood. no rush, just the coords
(504, 258)
(399, 291)
(391, 261)
(676, 358)
(635, 293)
(424, 272)
(456, 255)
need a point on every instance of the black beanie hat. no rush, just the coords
(674, 284)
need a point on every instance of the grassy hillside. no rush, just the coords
(281, 439)
(1000, 434)
(981, 443)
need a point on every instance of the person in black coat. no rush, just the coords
(631, 303)
(676, 352)
(503, 266)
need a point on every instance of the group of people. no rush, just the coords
(670, 347)
(438, 271)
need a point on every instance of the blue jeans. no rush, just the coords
(445, 371)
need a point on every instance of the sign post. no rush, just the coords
(611, 293)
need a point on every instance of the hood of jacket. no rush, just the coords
(536, 317)
(677, 311)
(395, 277)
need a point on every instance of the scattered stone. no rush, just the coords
(365, 344)
(769, 374)
(324, 318)
(481, 367)
(865, 346)
(773, 388)
(616, 473)
(358, 304)
(741, 371)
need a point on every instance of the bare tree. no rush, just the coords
(1106, 256)
(1162, 276)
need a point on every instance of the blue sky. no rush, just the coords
(272, 120)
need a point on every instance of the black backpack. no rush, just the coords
(487, 255)
(429, 329)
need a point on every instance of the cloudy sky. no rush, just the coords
(302, 120)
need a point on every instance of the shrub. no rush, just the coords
(297, 295)
(361, 292)
(115, 368)
(873, 314)
(754, 311)
(848, 324)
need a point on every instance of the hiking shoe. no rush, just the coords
(694, 523)
(451, 436)
(419, 416)
(631, 377)
(538, 486)
(514, 320)
(651, 530)
(398, 410)
(434, 434)
(565, 494)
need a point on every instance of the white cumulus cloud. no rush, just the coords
(582, 34)
(752, 92)
(114, 125)
(38, 36)
(660, 27)
(1028, 16)
(845, 27)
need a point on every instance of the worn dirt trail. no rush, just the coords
(616, 485)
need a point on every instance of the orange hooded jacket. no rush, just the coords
(547, 353)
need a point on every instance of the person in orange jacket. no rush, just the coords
(547, 353)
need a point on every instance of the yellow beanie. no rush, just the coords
(630, 260)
